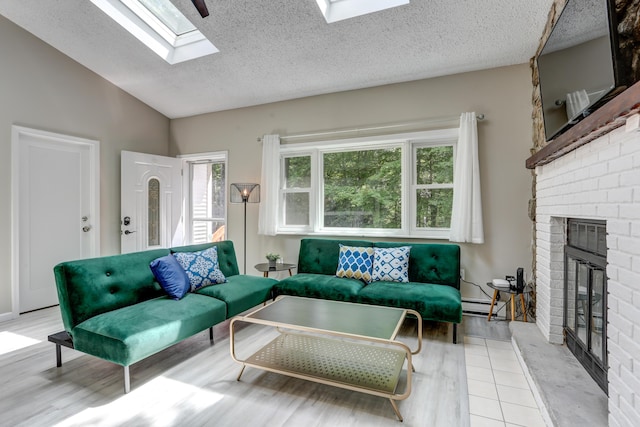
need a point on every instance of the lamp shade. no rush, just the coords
(244, 193)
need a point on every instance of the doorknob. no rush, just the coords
(127, 232)
(86, 228)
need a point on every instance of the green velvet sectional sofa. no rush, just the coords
(433, 289)
(113, 308)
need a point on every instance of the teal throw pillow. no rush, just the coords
(391, 264)
(202, 267)
(355, 262)
(171, 276)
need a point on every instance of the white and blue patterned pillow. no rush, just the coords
(391, 264)
(202, 267)
(355, 262)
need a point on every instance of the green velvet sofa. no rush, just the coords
(433, 289)
(113, 308)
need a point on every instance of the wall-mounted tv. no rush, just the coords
(579, 67)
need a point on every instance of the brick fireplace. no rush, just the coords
(597, 181)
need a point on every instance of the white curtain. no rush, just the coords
(466, 214)
(268, 219)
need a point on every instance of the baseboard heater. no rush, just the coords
(480, 307)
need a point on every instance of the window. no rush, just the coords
(206, 190)
(160, 26)
(337, 10)
(296, 190)
(362, 188)
(433, 184)
(153, 212)
(398, 185)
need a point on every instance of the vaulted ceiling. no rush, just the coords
(274, 50)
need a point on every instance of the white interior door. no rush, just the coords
(151, 202)
(57, 201)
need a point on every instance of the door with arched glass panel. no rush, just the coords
(151, 202)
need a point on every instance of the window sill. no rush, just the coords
(425, 236)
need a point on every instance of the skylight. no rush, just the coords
(168, 14)
(160, 26)
(337, 10)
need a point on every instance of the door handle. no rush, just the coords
(127, 232)
(86, 228)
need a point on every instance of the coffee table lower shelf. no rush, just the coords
(347, 364)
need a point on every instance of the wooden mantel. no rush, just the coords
(608, 117)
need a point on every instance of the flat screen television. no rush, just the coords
(579, 66)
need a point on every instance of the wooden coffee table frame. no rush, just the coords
(362, 363)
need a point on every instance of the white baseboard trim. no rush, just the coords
(5, 317)
(481, 306)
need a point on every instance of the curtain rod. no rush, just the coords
(479, 117)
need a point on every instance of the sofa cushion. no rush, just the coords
(433, 302)
(431, 262)
(129, 334)
(355, 262)
(319, 286)
(201, 267)
(93, 286)
(226, 255)
(320, 256)
(391, 264)
(171, 276)
(241, 292)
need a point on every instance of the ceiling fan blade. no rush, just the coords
(202, 7)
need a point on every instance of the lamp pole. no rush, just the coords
(245, 193)
(245, 198)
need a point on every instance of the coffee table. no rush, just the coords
(342, 344)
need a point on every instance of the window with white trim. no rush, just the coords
(206, 197)
(296, 192)
(396, 185)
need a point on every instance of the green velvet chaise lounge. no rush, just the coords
(433, 289)
(113, 308)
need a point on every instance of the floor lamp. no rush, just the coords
(245, 193)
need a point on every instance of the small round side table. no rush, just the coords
(513, 293)
(265, 269)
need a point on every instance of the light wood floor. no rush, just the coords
(194, 384)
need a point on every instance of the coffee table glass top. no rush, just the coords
(335, 316)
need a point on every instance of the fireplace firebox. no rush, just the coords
(585, 296)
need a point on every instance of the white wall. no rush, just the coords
(42, 88)
(600, 180)
(503, 95)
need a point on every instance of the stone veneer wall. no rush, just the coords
(600, 180)
(539, 140)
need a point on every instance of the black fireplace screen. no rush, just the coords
(585, 314)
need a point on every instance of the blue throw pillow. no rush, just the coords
(391, 264)
(355, 262)
(202, 267)
(171, 276)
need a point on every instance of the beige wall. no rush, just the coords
(503, 95)
(42, 88)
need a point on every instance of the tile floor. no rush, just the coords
(499, 394)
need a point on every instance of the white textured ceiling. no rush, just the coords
(274, 50)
